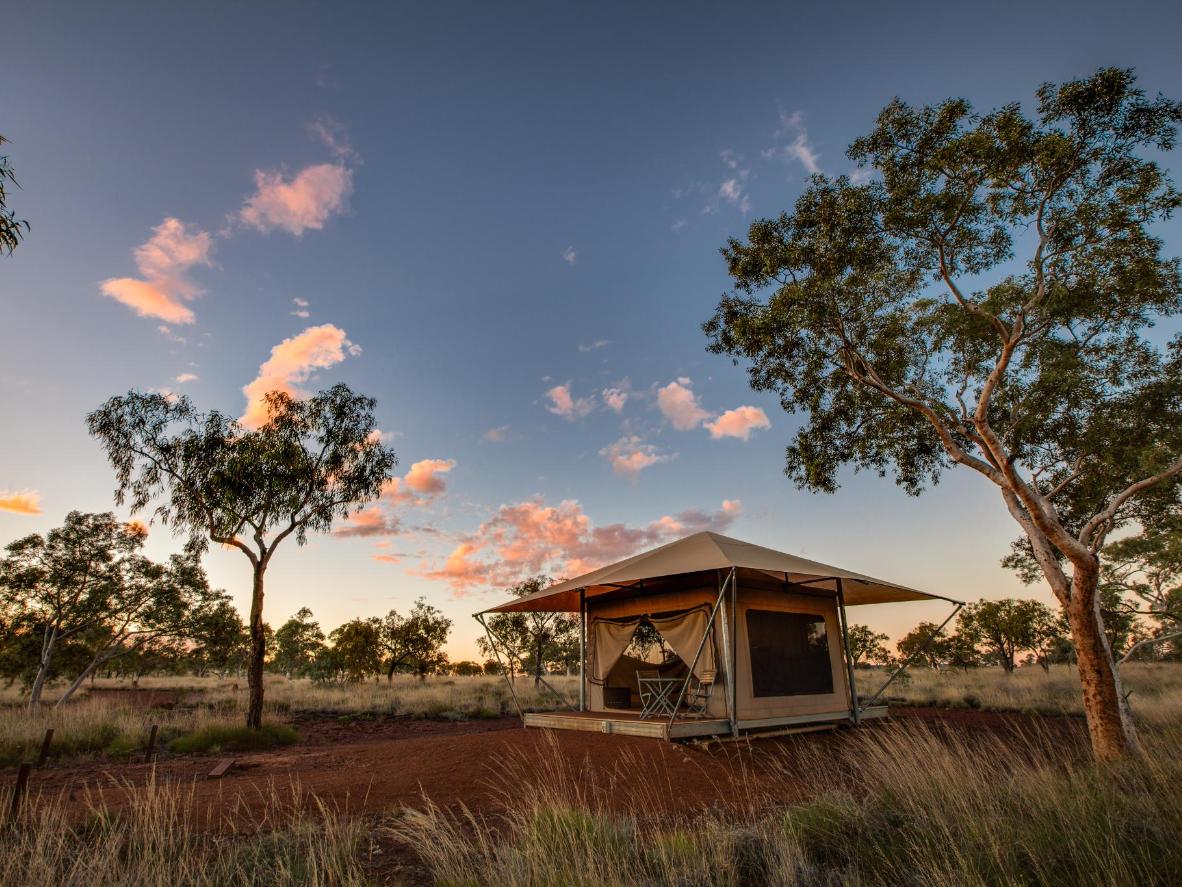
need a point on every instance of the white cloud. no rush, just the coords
(335, 137)
(185, 378)
(797, 147)
(739, 422)
(302, 203)
(20, 501)
(292, 361)
(424, 482)
(615, 399)
(631, 454)
(678, 403)
(569, 255)
(164, 262)
(598, 343)
(562, 403)
(527, 538)
(678, 225)
(301, 309)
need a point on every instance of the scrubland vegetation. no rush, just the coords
(896, 805)
(1155, 690)
(208, 711)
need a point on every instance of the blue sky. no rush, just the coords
(489, 201)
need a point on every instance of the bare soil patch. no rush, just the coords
(384, 765)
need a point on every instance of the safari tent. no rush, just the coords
(709, 636)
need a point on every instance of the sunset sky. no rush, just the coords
(500, 220)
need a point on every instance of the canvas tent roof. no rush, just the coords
(710, 551)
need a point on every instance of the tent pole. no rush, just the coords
(731, 672)
(701, 644)
(726, 658)
(847, 656)
(906, 662)
(582, 649)
(525, 666)
(479, 617)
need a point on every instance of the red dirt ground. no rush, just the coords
(385, 765)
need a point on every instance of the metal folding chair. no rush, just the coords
(698, 693)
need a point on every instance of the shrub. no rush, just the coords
(220, 737)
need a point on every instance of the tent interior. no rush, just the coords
(736, 637)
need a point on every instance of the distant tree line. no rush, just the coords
(82, 601)
(1140, 599)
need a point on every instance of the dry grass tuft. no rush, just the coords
(1156, 690)
(163, 837)
(900, 804)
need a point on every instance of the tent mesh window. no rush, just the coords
(789, 653)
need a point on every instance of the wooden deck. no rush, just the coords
(627, 724)
(631, 724)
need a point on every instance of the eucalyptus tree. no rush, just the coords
(867, 646)
(80, 578)
(1007, 627)
(298, 642)
(533, 639)
(10, 226)
(1146, 570)
(208, 477)
(152, 605)
(981, 298)
(414, 641)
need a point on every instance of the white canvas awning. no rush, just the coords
(710, 551)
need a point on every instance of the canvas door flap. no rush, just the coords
(610, 640)
(683, 633)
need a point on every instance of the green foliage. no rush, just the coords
(982, 299)
(220, 640)
(856, 335)
(10, 225)
(414, 642)
(311, 462)
(536, 641)
(298, 642)
(1143, 576)
(217, 738)
(86, 592)
(356, 649)
(1007, 627)
(867, 647)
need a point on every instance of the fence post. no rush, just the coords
(45, 743)
(151, 744)
(22, 782)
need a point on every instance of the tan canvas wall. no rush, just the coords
(682, 636)
(751, 707)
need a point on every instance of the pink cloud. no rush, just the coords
(304, 203)
(292, 361)
(739, 422)
(20, 501)
(421, 484)
(164, 262)
(500, 434)
(680, 406)
(630, 455)
(532, 537)
(562, 403)
(372, 521)
(615, 398)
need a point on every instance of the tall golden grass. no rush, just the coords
(900, 804)
(115, 724)
(1156, 689)
(163, 837)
